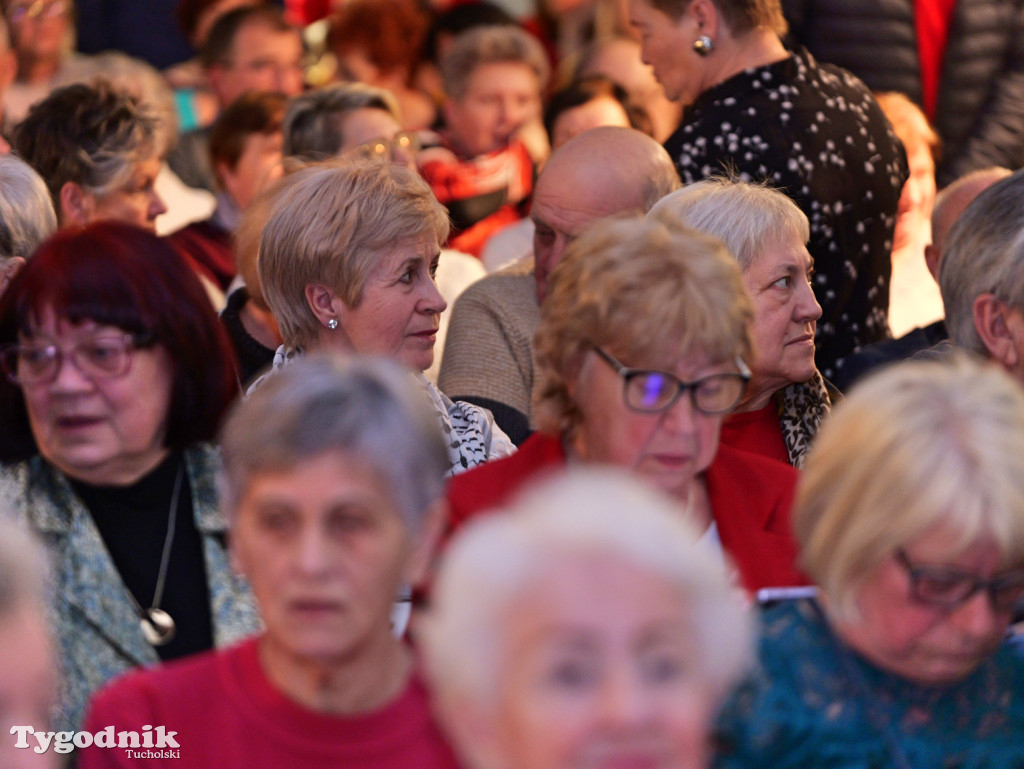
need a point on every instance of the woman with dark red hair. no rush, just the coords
(117, 373)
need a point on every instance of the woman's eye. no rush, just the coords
(784, 282)
(407, 276)
(663, 668)
(571, 674)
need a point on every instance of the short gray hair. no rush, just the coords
(322, 403)
(135, 77)
(984, 253)
(27, 217)
(746, 217)
(92, 135)
(331, 224)
(497, 44)
(581, 513)
(919, 445)
(314, 123)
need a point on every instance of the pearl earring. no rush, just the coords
(704, 45)
(332, 324)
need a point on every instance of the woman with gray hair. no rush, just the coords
(346, 117)
(98, 150)
(910, 518)
(767, 233)
(347, 263)
(585, 626)
(26, 215)
(334, 490)
(482, 170)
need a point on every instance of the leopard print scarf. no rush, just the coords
(802, 409)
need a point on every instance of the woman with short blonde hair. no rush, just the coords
(910, 517)
(347, 262)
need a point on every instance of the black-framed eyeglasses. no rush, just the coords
(651, 392)
(948, 588)
(401, 148)
(104, 356)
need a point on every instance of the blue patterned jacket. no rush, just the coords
(95, 625)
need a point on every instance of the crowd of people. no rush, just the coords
(512, 385)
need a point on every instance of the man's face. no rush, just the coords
(500, 98)
(263, 59)
(564, 204)
(257, 168)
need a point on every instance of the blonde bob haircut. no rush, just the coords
(921, 445)
(650, 292)
(498, 562)
(331, 224)
(747, 217)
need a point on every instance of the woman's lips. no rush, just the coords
(76, 422)
(803, 339)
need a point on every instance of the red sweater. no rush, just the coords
(750, 495)
(228, 715)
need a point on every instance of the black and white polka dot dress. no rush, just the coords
(815, 132)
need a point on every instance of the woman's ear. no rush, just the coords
(8, 269)
(426, 542)
(707, 17)
(1001, 329)
(76, 204)
(323, 302)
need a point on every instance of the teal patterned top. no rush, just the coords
(805, 708)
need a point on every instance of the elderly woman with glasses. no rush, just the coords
(910, 517)
(639, 357)
(117, 373)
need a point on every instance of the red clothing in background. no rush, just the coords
(483, 194)
(932, 19)
(750, 495)
(758, 432)
(228, 715)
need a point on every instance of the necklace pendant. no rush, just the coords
(157, 626)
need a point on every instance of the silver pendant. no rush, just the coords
(157, 626)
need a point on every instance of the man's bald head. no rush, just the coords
(602, 172)
(951, 202)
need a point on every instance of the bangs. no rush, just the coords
(80, 286)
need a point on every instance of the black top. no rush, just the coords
(132, 520)
(253, 358)
(816, 133)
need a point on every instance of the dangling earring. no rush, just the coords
(704, 45)
(332, 324)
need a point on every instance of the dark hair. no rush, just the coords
(119, 275)
(255, 112)
(740, 15)
(188, 12)
(461, 18)
(220, 43)
(388, 32)
(584, 91)
(88, 134)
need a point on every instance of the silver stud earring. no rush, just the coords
(332, 324)
(704, 45)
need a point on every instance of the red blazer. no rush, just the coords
(750, 495)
